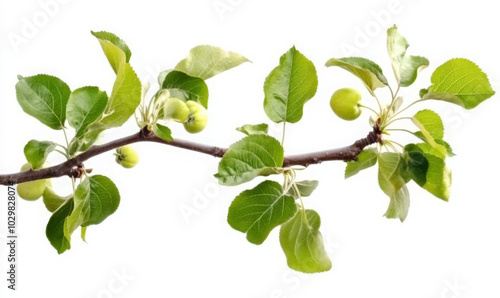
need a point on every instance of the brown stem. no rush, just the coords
(73, 166)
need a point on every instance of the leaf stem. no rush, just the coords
(62, 152)
(406, 108)
(396, 143)
(390, 144)
(283, 136)
(394, 97)
(368, 108)
(394, 120)
(73, 184)
(378, 101)
(400, 129)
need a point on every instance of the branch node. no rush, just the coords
(145, 132)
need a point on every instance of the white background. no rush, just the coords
(441, 250)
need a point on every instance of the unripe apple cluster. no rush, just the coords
(192, 114)
(345, 103)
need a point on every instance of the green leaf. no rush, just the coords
(423, 92)
(459, 81)
(36, 152)
(55, 227)
(162, 76)
(305, 188)
(432, 128)
(254, 155)
(393, 184)
(366, 70)
(258, 211)
(302, 243)
(289, 86)
(438, 178)
(405, 67)
(399, 204)
(163, 132)
(449, 150)
(115, 49)
(426, 148)
(95, 199)
(389, 175)
(431, 122)
(417, 165)
(52, 200)
(366, 159)
(191, 88)
(44, 97)
(398, 102)
(85, 105)
(254, 129)
(85, 142)
(410, 68)
(207, 61)
(125, 98)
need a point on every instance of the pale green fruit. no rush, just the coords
(197, 119)
(176, 109)
(31, 190)
(345, 103)
(126, 157)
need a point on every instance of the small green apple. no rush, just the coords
(176, 109)
(31, 190)
(345, 103)
(197, 119)
(127, 157)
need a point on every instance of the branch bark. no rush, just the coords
(73, 167)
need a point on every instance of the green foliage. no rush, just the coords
(459, 81)
(366, 159)
(366, 70)
(91, 112)
(393, 184)
(36, 152)
(431, 122)
(431, 127)
(186, 87)
(115, 49)
(399, 204)
(94, 200)
(417, 164)
(85, 106)
(55, 227)
(124, 98)
(207, 61)
(289, 86)
(259, 210)
(254, 155)
(438, 177)
(254, 129)
(44, 97)
(163, 132)
(405, 67)
(304, 188)
(303, 244)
